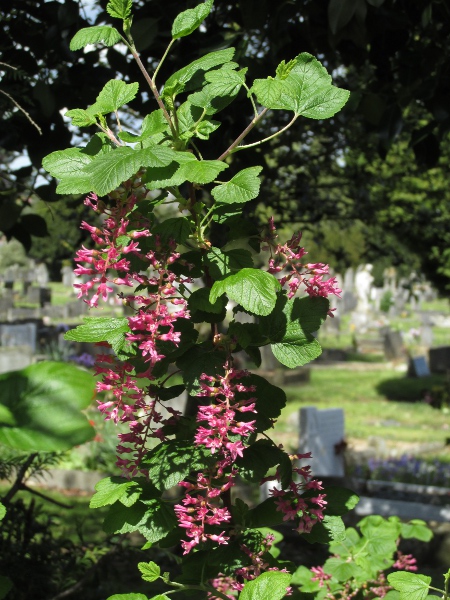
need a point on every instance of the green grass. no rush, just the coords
(381, 403)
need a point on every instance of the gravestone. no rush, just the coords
(42, 277)
(418, 367)
(39, 296)
(68, 276)
(321, 433)
(439, 359)
(6, 302)
(15, 358)
(393, 344)
(426, 331)
(18, 334)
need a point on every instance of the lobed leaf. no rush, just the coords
(113, 489)
(101, 329)
(120, 9)
(307, 90)
(190, 76)
(410, 585)
(271, 585)
(114, 94)
(201, 171)
(254, 290)
(149, 571)
(244, 186)
(94, 35)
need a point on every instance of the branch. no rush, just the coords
(247, 130)
(22, 109)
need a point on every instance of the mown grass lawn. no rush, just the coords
(381, 402)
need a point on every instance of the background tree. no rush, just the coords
(393, 56)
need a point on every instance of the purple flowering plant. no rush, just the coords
(177, 279)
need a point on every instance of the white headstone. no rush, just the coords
(321, 433)
(42, 277)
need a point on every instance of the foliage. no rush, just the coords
(204, 456)
(130, 177)
(40, 407)
(317, 174)
(358, 562)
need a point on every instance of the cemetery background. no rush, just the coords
(383, 413)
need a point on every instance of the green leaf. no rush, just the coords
(270, 400)
(2, 511)
(241, 188)
(152, 124)
(224, 85)
(149, 571)
(302, 578)
(340, 500)
(221, 263)
(341, 569)
(340, 13)
(381, 535)
(40, 407)
(198, 361)
(101, 329)
(68, 162)
(190, 76)
(331, 529)
(112, 489)
(265, 514)
(199, 300)
(94, 35)
(108, 171)
(254, 290)
(120, 9)
(201, 171)
(417, 529)
(188, 21)
(128, 597)
(170, 462)
(257, 459)
(344, 548)
(307, 90)
(268, 586)
(175, 228)
(410, 585)
(290, 329)
(154, 519)
(80, 117)
(115, 94)
(5, 586)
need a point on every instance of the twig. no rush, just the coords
(22, 109)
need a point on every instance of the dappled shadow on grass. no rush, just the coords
(409, 389)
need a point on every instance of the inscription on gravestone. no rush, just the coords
(321, 432)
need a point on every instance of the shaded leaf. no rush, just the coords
(94, 35)
(40, 407)
(188, 21)
(254, 290)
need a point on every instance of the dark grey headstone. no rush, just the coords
(439, 359)
(393, 345)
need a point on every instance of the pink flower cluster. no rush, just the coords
(153, 323)
(288, 258)
(223, 434)
(258, 565)
(306, 512)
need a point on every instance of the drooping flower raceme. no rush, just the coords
(288, 257)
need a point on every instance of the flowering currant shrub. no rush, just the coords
(175, 279)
